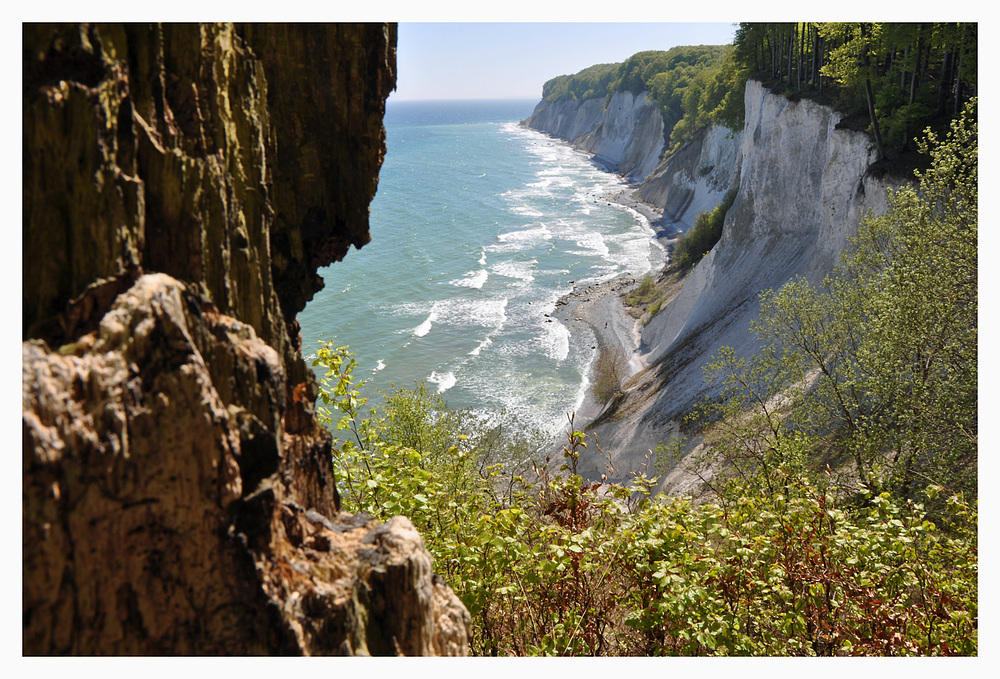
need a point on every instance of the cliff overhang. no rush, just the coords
(182, 183)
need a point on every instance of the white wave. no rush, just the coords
(488, 313)
(555, 341)
(444, 381)
(482, 258)
(473, 279)
(594, 244)
(522, 271)
(526, 211)
(482, 345)
(426, 326)
(380, 365)
(522, 239)
(581, 394)
(546, 185)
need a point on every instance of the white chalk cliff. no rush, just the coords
(626, 136)
(696, 177)
(804, 187)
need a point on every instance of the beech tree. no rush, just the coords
(902, 76)
(851, 64)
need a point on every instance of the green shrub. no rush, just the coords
(643, 293)
(646, 286)
(610, 371)
(550, 564)
(694, 243)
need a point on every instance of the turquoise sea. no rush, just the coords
(478, 227)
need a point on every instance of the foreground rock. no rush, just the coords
(182, 184)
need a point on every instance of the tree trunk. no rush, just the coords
(866, 65)
(944, 83)
(779, 45)
(902, 71)
(958, 83)
(882, 155)
(770, 51)
(958, 68)
(914, 79)
(791, 51)
(799, 62)
(819, 63)
(815, 58)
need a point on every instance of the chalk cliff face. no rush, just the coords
(803, 189)
(696, 177)
(626, 136)
(181, 186)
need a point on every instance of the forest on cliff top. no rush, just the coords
(893, 79)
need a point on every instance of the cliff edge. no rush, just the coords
(803, 186)
(181, 186)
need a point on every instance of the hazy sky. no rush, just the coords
(508, 60)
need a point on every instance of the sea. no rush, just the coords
(478, 227)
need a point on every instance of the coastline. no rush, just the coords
(662, 225)
(601, 308)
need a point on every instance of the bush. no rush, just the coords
(549, 564)
(610, 371)
(706, 232)
(643, 293)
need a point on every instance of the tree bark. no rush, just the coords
(882, 155)
(866, 65)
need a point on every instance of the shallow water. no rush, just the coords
(479, 226)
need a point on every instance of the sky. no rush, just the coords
(492, 60)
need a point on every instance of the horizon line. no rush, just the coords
(510, 98)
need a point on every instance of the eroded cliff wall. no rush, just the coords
(804, 187)
(694, 178)
(626, 135)
(181, 186)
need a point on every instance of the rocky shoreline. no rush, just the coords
(663, 226)
(600, 307)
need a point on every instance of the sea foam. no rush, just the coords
(445, 381)
(426, 326)
(473, 279)
(482, 345)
